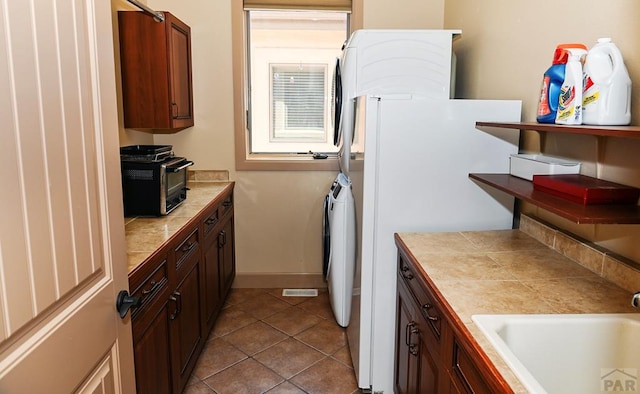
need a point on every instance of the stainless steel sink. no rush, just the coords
(588, 353)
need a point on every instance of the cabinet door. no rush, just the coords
(406, 368)
(431, 367)
(226, 240)
(186, 326)
(155, 59)
(152, 354)
(212, 292)
(179, 40)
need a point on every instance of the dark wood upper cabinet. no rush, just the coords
(155, 60)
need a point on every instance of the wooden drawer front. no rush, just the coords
(227, 205)
(210, 222)
(465, 373)
(428, 308)
(148, 283)
(186, 247)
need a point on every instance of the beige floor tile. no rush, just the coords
(326, 336)
(198, 388)
(238, 296)
(255, 338)
(289, 357)
(263, 306)
(231, 319)
(286, 388)
(217, 355)
(293, 320)
(344, 356)
(327, 377)
(247, 377)
(319, 305)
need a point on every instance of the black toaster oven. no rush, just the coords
(154, 181)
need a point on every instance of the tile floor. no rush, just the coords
(266, 343)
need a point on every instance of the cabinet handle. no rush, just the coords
(227, 203)
(411, 329)
(222, 238)
(188, 247)
(211, 221)
(154, 286)
(406, 273)
(425, 312)
(174, 109)
(177, 298)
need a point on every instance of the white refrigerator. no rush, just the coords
(409, 168)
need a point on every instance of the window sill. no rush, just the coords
(286, 162)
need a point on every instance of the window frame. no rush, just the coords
(245, 160)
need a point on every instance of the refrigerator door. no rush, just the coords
(414, 177)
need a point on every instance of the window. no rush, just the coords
(291, 55)
(284, 54)
(298, 102)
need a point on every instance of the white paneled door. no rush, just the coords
(62, 246)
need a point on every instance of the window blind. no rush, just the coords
(298, 99)
(324, 5)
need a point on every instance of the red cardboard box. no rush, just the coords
(586, 190)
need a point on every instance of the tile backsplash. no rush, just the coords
(208, 175)
(617, 269)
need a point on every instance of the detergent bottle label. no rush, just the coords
(591, 93)
(566, 103)
(543, 105)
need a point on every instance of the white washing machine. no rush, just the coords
(339, 243)
(389, 61)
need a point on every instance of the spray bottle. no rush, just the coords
(570, 96)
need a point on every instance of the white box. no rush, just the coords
(527, 165)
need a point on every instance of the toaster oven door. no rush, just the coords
(175, 184)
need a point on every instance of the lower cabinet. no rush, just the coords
(432, 355)
(218, 257)
(187, 334)
(419, 334)
(182, 287)
(226, 244)
(151, 340)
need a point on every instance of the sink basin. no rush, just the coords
(588, 353)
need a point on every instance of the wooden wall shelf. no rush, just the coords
(578, 213)
(600, 131)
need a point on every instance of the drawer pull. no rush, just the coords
(425, 312)
(406, 273)
(211, 221)
(154, 286)
(188, 247)
(227, 203)
(177, 298)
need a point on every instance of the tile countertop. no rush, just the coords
(509, 272)
(144, 235)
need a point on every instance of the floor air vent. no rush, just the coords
(299, 292)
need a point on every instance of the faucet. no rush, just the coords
(635, 300)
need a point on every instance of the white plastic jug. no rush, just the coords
(607, 86)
